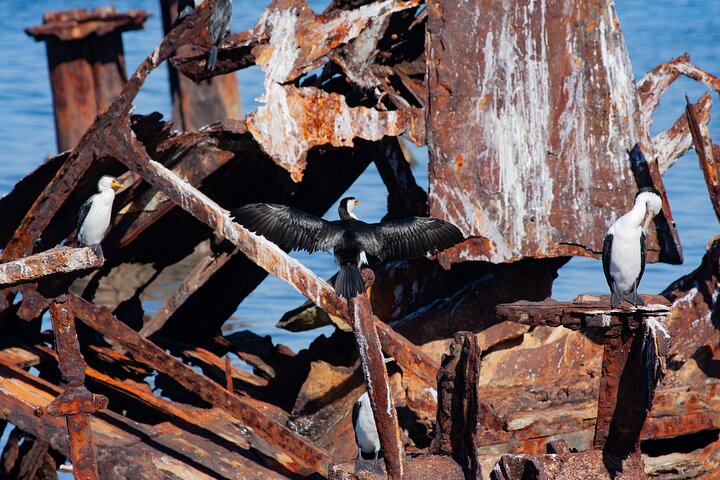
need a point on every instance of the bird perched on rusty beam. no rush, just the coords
(624, 248)
(366, 436)
(95, 213)
(352, 240)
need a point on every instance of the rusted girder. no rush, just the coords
(376, 381)
(706, 154)
(57, 261)
(673, 143)
(458, 412)
(274, 440)
(87, 64)
(654, 84)
(424, 467)
(98, 140)
(76, 402)
(519, 178)
(196, 105)
(280, 44)
(264, 253)
(194, 280)
(635, 343)
(592, 464)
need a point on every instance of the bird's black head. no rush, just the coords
(648, 190)
(346, 207)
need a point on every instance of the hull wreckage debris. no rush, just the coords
(463, 355)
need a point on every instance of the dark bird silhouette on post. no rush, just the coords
(351, 240)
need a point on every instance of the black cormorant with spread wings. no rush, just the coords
(351, 240)
(624, 248)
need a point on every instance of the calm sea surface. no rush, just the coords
(655, 31)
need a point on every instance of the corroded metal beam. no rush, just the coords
(75, 403)
(376, 381)
(706, 155)
(278, 442)
(517, 141)
(635, 342)
(98, 140)
(59, 260)
(279, 41)
(458, 412)
(673, 143)
(265, 254)
(197, 277)
(87, 64)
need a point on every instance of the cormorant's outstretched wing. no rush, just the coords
(414, 237)
(606, 253)
(289, 227)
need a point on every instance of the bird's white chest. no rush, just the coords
(97, 220)
(366, 431)
(625, 259)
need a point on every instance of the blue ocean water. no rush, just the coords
(655, 31)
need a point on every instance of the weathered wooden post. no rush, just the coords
(86, 62)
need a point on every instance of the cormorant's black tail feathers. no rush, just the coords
(212, 57)
(349, 282)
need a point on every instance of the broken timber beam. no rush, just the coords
(278, 442)
(56, 261)
(376, 380)
(264, 253)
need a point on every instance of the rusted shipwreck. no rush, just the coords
(536, 132)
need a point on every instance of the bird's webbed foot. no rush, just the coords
(635, 298)
(374, 465)
(615, 299)
(97, 249)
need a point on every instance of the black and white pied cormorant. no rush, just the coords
(366, 436)
(95, 213)
(352, 240)
(624, 248)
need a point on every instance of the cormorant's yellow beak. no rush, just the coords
(116, 184)
(357, 202)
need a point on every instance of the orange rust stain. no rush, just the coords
(459, 161)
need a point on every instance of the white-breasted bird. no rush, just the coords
(366, 435)
(95, 213)
(624, 248)
(351, 239)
